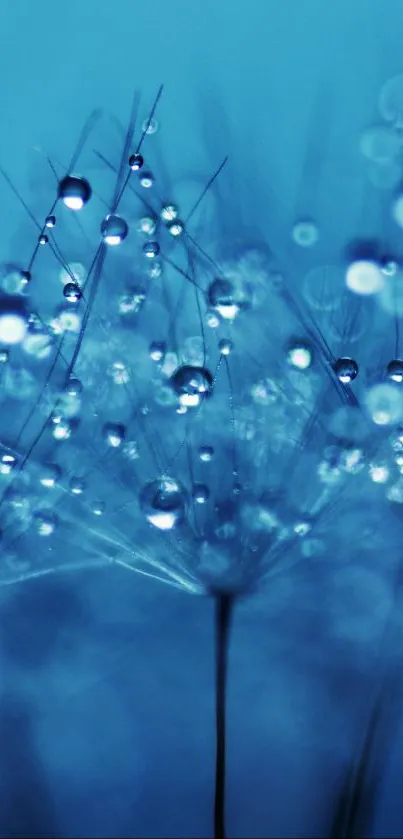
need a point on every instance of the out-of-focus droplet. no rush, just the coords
(384, 403)
(394, 370)
(226, 298)
(299, 355)
(200, 493)
(364, 277)
(380, 143)
(322, 286)
(77, 486)
(49, 475)
(390, 102)
(13, 319)
(114, 434)
(44, 523)
(305, 233)
(72, 292)
(206, 453)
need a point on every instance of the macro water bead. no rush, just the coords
(13, 319)
(136, 162)
(225, 298)
(114, 230)
(74, 191)
(163, 502)
(394, 370)
(299, 355)
(114, 434)
(346, 370)
(72, 292)
(191, 384)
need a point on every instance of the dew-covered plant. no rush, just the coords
(202, 410)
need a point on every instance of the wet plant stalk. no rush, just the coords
(223, 614)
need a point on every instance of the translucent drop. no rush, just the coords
(72, 292)
(200, 493)
(45, 523)
(175, 228)
(384, 176)
(131, 301)
(163, 502)
(169, 212)
(346, 369)
(77, 486)
(394, 371)
(206, 453)
(49, 475)
(73, 388)
(299, 355)
(50, 221)
(151, 249)
(191, 384)
(225, 346)
(66, 320)
(157, 350)
(11, 279)
(154, 269)
(147, 225)
(61, 428)
(136, 162)
(146, 180)
(114, 230)
(226, 298)
(305, 233)
(364, 277)
(150, 126)
(384, 403)
(379, 473)
(98, 508)
(380, 144)
(13, 319)
(390, 102)
(8, 462)
(43, 239)
(397, 210)
(114, 434)
(119, 373)
(74, 191)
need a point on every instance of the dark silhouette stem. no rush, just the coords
(223, 605)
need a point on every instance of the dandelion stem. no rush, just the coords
(224, 605)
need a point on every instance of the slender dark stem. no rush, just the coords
(223, 605)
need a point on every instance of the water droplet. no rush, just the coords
(346, 370)
(77, 486)
(364, 277)
(169, 212)
(45, 523)
(394, 370)
(74, 191)
(225, 346)
(114, 434)
(151, 249)
(146, 180)
(390, 102)
(72, 292)
(157, 350)
(114, 230)
(226, 298)
(299, 355)
(192, 384)
(305, 233)
(163, 503)
(49, 475)
(200, 493)
(136, 162)
(206, 453)
(384, 403)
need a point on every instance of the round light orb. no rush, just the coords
(136, 162)
(147, 225)
(114, 434)
(4, 356)
(169, 212)
(226, 299)
(74, 191)
(364, 276)
(390, 102)
(13, 319)
(163, 502)
(49, 475)
(157, 350)
(394, 371)
(150, 126)
(146, 180)
(151, 249)
(381, 144)
(72, 292)
(77, 486)
(346, 370)
(114, 230)
(385, 176)
(61, 428)
(200, 493)
(8, 462)
(305, 233)
(119, 373)
(44, 523)
(175, 228)
(206, 453)
(225, 346)
(73, 388)
(299, 355)
(379, 472)
(384, 403)
(192, 385)
(67, 320)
